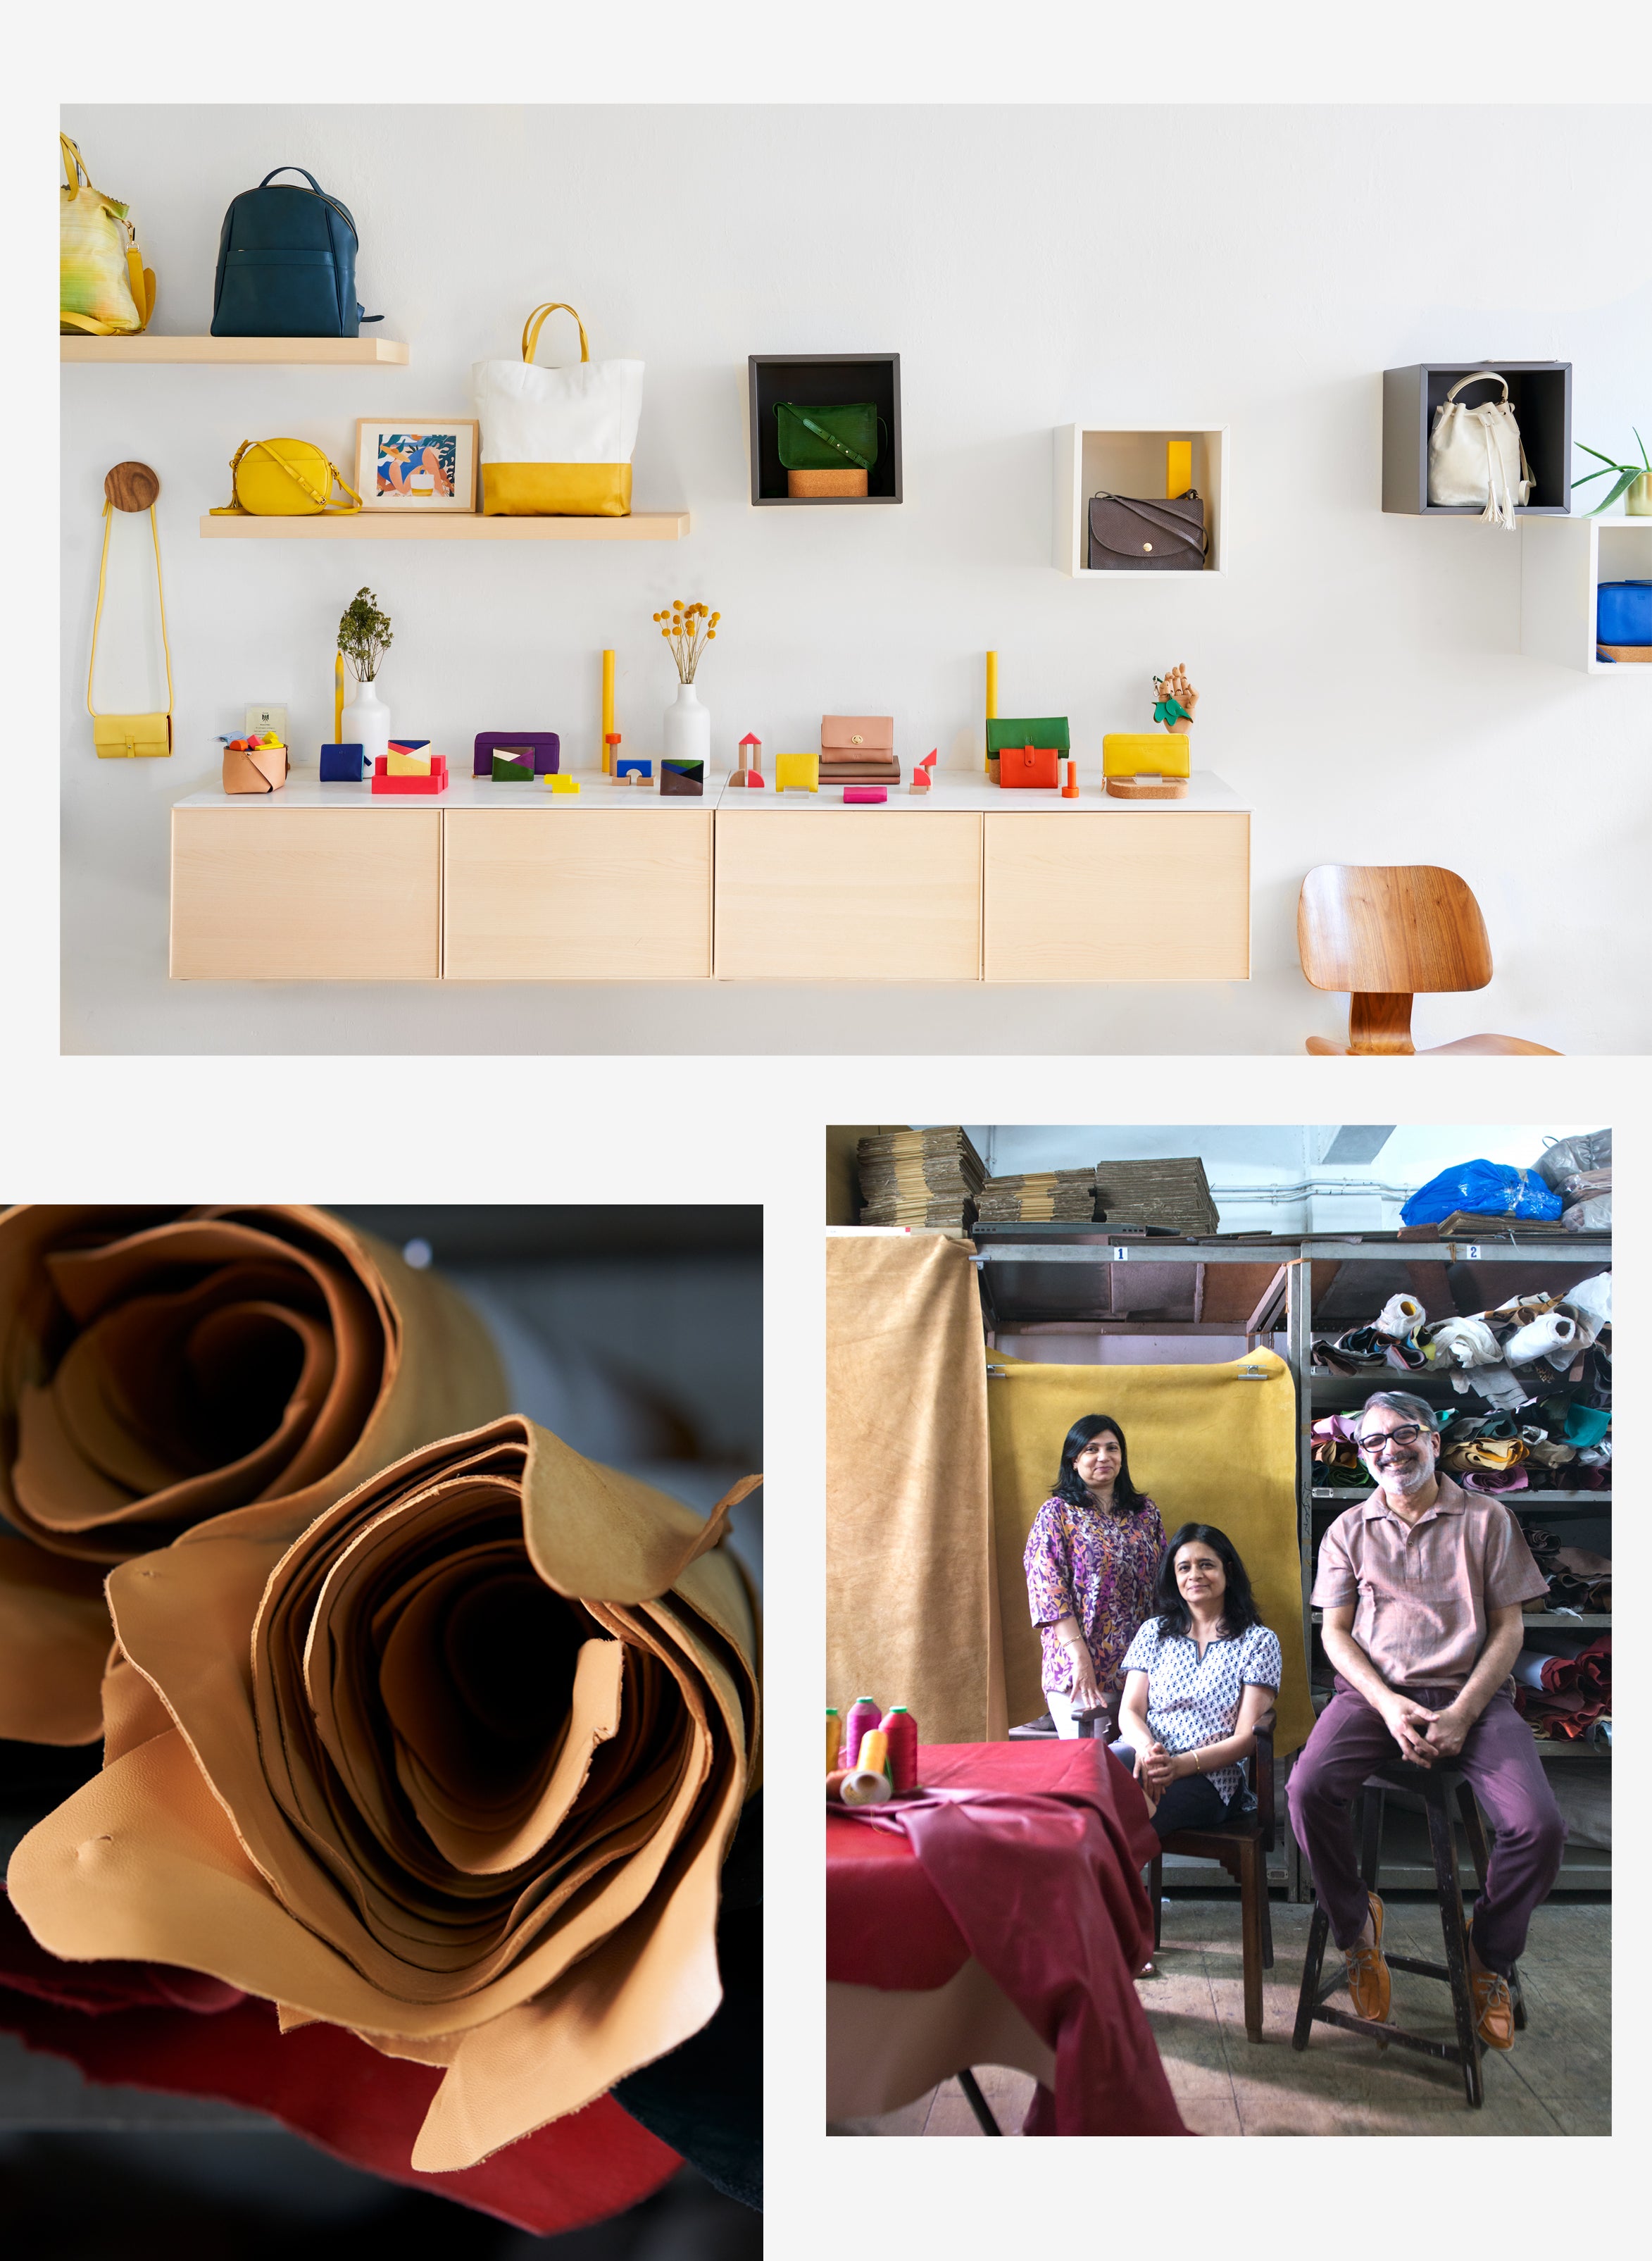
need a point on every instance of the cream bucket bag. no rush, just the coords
(1475, 454)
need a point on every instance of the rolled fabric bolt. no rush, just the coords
(1544, 1337)
(865, 1786)
(1400, 1316)
(835, 1781)
(900, 1730)
(863, 1714)
(874, 1752)
(834, 1736)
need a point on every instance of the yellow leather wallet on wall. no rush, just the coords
(121, 737)
(284, 478)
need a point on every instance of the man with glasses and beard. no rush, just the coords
(1421, 1587)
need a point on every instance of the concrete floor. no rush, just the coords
(1555, 2081)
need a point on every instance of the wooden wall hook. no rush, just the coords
(131, 486)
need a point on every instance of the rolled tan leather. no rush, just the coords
(160, 1367)
(455, 1765)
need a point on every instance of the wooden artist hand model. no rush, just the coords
(1175, 693)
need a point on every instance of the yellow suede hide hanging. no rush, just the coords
(911, 1606)
(1205, 1445)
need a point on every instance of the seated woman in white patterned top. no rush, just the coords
(1197, 1678)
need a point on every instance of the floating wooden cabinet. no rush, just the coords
(1540, 392)
(1138, 895)
(306, 894)
(833, 380)
(1091, 459)
(808, 895)
(578, 894)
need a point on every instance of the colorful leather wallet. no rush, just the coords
(683, 777)
(541, 750)
(1029, 766)
(506, 772)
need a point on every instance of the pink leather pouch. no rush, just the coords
(853, 737)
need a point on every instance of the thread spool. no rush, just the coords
(873, 1755)
(863, 1715)
(834, 1736)
(865, 1786)
(835, 1781)
(899, 1731)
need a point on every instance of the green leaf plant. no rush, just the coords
(1622, 474)
(364, 635)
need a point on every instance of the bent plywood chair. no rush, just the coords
(1386, 932)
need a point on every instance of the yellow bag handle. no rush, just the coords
(74, 166)
(102, 568)
(535, 323)
(322, 502)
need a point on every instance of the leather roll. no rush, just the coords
(162, 1368)
(455, 1765)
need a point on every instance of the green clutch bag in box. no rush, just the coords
(836, 439)
(1048, 730)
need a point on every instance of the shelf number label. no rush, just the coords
(1119, 1255)
(1471, 1253)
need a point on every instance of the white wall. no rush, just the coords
(1362, 681)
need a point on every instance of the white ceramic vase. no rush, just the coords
(367, 724)
(688, 729)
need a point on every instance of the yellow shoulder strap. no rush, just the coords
(535, 323)
(73, 166)
(103, 569)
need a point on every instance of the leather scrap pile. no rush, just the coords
(1562, 1683)
(920, 1177)
(1579, 1171)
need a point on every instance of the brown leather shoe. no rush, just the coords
(1370, 1984)
(1493, 2009)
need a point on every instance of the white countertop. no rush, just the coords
(953, 789)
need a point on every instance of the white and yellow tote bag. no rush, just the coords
(557, 442)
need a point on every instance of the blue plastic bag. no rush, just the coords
(1484, 1189)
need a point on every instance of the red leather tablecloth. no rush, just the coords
(1032, 1863)
(149, 2027)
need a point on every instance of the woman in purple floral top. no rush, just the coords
(1091, 1557)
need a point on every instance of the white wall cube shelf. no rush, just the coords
(1563, 563)
(1099, 459)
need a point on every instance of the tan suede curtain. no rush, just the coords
(912, 1591)
(1210, 1444)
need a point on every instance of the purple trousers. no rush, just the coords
(1499, 1756)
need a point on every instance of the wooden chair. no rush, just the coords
(1386, 932)
(1243, 1849)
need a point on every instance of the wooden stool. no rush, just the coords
(1433, 1789)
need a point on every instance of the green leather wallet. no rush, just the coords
(1046, 730)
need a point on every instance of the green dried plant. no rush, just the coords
(364, 635)
(1623, 475)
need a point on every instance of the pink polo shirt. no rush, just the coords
(1423, 1590)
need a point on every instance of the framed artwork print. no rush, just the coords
(417, 463)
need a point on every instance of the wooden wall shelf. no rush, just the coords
(1098, 459)
(1563, 563)
(324, 353)
(436, 526)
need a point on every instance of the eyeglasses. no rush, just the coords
(1374, 1444)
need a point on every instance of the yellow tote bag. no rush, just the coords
(284, 478)
(125, 737)
(557, 442)
(104, 289)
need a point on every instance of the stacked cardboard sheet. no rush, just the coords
(1040, 1197)
(920, 1177)
(1176, 1194)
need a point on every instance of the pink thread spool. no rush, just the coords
(863, 1717)
(901, 1730)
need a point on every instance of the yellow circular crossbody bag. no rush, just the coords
(284, 478)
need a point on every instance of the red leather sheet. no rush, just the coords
(145, 2026)
(1030, 1860)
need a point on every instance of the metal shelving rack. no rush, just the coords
(1405, 1865)
(1033, 1273)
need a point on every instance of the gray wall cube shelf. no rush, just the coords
(1541, 394)
(833, 380)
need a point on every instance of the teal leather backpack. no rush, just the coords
(286, 265)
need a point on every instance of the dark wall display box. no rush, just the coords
(1541, 394)
(832, 380)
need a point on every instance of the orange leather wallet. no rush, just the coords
(1029, 766)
